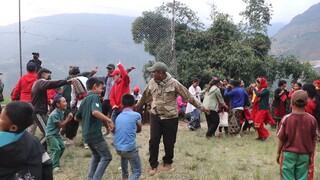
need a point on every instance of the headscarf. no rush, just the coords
(317, 84)
(263, 84)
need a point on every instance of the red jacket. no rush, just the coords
(120, 88)
(51, 93)
(23, 87)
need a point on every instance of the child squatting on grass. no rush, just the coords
(127, 124)
(21, 154)
(92, 118)
(55, 123)
(297, 140)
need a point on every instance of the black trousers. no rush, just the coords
(213, 121)
(166, 128)
(106, 107)
(72, 126)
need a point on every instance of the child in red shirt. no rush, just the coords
(297, 139)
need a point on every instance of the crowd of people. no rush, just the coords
(57, 107)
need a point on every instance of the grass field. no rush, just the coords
(226, 158)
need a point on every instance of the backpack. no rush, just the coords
(79, 89)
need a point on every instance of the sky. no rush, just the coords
(283, 10)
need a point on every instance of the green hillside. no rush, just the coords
(84, 40)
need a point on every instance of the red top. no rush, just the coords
(51, 93)
(290, 93)
(120, 88)
(310, 107)
(298, 132)
(23, 87)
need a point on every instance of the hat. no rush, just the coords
(35, 53)
(111, 66)
(136, 89)
(41, 71)
(20, 114)
(115, 72)
(300, 97)
(31, 66)
(74, 71)
(316, 82)
(158, 66)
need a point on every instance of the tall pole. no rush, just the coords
(20, 47)
(173, 42)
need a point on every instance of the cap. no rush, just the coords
(41, 71)
(111, 66)
(115, 72)
(158, 66)
(31, 66)
(316, 82)
(35, 53)
(74, 71)
(136, 89)
(300, 97)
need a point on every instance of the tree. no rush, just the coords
(224, 49)
(257, 14)
(184, 15)
(151, 29)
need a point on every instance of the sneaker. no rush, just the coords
(68, 142)
(57, 170)
(110, 135)
(166, 167)
(153, 171)
(86, 146)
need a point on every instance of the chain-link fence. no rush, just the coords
(87, 40)
(90, 40)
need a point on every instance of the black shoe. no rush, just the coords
(260, 139)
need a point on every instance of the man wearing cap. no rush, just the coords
(108, 82)
(22, 90)
(297, 139)
(36, 60)
(163, 90)
(40, 99)
(120, 87)
(72, 102)
(136, 94)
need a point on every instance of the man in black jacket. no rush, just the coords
(40, 98)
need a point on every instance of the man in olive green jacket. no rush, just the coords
(163, 90)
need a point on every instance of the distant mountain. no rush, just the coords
(301, 37)
(274, 28)
(84, 40)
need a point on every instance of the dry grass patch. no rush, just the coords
(196, 158)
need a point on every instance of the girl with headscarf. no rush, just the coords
(261, 112)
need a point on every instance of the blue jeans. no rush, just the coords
(133, 158)
(197, 115)
(115, 114)
(101, 157)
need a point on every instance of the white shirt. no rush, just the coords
(195, 91)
